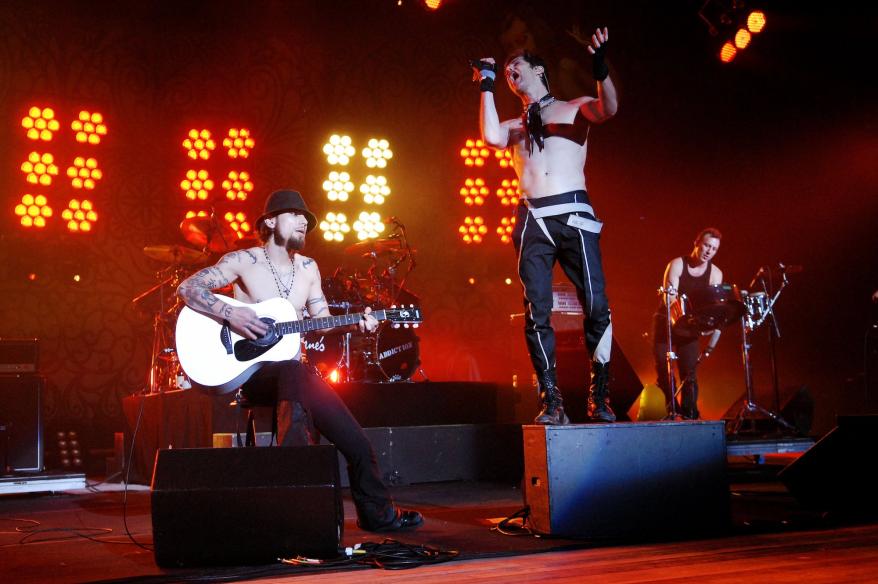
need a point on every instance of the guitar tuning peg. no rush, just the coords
(416, 325)
(406, 325)
(393, 306)
(396, 326)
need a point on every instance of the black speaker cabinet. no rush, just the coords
(21, 422)
(835, 474)
(627, 480)
(221, 506)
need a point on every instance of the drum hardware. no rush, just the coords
(175, 254)
(164, 368)
(209, 233)
(697, 314)
(760, 307)
(670, 355)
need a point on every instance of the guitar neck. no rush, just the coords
(325, 322)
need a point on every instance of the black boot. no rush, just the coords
(599, 394)
(552, 412)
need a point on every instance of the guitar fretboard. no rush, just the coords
(324, 322)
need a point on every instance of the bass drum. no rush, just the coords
(325, 352)
(394, 355)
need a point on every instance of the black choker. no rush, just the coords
(533, 122)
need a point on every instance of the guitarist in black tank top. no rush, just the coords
(685, 275)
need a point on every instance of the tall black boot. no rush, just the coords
(599, 394)
(552, 412)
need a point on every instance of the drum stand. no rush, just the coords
(163, 376)
(748, 324)
(670, 356)
(751, 406)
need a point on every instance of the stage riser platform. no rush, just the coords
(627, 479)
(429, 454)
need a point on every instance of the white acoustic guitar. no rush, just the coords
(218, 359)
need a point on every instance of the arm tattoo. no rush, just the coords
(307, 262)
(315, 300)
(196, 290)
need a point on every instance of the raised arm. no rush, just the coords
(606, 104)
(197, 292)
(494, 133)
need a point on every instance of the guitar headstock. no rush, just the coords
(404, 316)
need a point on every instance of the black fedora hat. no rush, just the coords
(286, 200)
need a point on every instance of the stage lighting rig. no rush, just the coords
(79, 215)
(33, 210)
(238, 143)
(375, 190)
(84, 173)
(199, 144)
(89, 127)
(238, 185)
(733, 21)
(40, 168)
(335, 226)
(40, 123)
(474, 192)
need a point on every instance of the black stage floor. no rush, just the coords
(80, 536)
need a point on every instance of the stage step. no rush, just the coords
(36, 483)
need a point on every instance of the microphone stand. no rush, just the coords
(773, 335)
(670, 356)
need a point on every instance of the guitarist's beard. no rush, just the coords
(293, 243)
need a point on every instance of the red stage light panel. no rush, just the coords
(756, 21)
(504, 157)
(238, 143)
(84, 173)
(238, 222)
(79, 215)
(197, 185)
(473, 229)
(33, 210)
(508, 192)
(199, 144)
(474, 191)
(39, 168)
(727, 52)
(474, 153)
(89, 127)
(507, 224)
(40, 123)
(238, 185)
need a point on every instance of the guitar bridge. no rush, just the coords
(226, 337)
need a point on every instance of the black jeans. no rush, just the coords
(579, 254)
(687, 350)
(295, 382)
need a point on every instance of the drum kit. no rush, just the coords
(712, 309)
(387, 355)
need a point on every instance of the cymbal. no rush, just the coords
(208, 233)
(376, 246)
(175, 254)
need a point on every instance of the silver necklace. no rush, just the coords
(284, 291)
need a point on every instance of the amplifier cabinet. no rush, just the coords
(21, 421)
